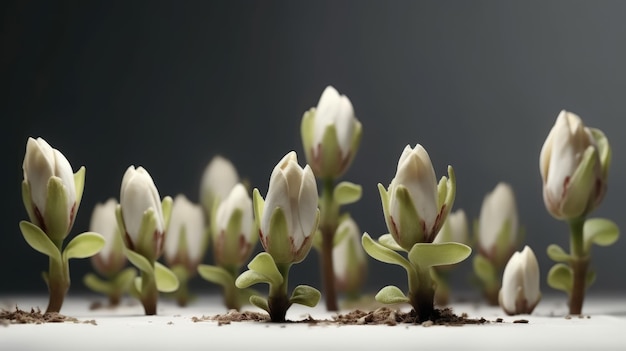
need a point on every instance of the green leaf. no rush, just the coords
(560, 277)
(307, 126)
(305, 295)
(556, 253)
(139, 261)
(249, 278)
(28, 200)
(124, 278)
(331, 159)
(260, 302)
(384, 254)
(410, 229)
(258, 203)
(216, 274)
(389, 242)
(137, 286)
(340, 235)
(38, 240)
(84, 245)
(583, 179)
(391, 295)
(316, 242)
(599, 231)
(384, 199)
(346, 193)
(96, 284)
(484, 269)
(426, 255)
(166, 208)
(278, 240)
(604, 150)
(166, 280)
(264, 264)
(79, 185)
(56, 216)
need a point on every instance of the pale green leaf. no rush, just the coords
(166, 280)
(216, 274)
(79, 184)
(38, 240)
(166, 209)
(260, 302)
(591, 278)
(84, 245)
(137, 286)
(258, 204)
(560, 277)
(139, 261)
(599, 231)
(391, 295)
(249, 278)
(305, 295)
(316, 242)
(484, 269)
(98, 285)
(346, 193)
(389, 242)
(556, 253)
(264, 264)
(426, 255)
(124, 278)
(56, 216)
(384, 254)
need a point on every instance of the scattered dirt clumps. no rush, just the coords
(380, 316)
(387, 316)
(36, 317)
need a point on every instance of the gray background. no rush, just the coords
(168, 85)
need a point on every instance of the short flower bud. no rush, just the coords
(520, 283)
(219, 177)
(498, 227)
(292, 195)
(139, 197)
(349, 260)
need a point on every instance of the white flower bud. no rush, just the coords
(498, 224)
(110, 259)
(219, 177)
(520, 283)
(187, 218)
(233, 241)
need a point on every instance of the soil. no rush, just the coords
(380, 316)
(36, 317)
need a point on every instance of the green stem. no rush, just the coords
(329, 214)
(278, 302)
(579, 265)
(58, 284)
(149, 293)
(422, 298)
(182, 293)
(231, 292)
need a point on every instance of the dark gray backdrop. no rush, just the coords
(168, 85)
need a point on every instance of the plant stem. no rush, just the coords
(579, 265)
(329, 214)
(231, 292)
(278, 302)
(58, 284)
(423, 298)
(182, 293)
(149, 293)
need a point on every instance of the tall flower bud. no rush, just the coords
(219, 177)
(415, 206)
(51, 191)
(234, 232)
(520, 283)
(186, 239)
(143, 225)
(574, 164)
(331, 134)
(498, 228)
(289, 215)
(111, 259)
